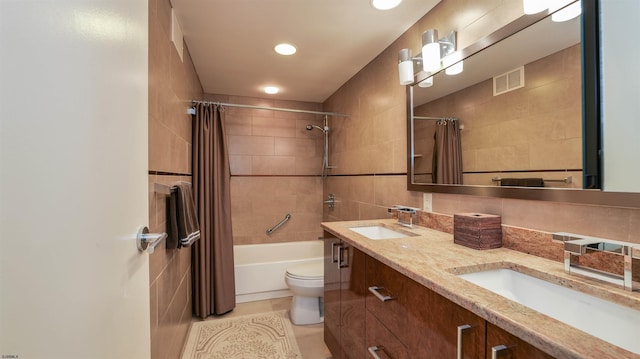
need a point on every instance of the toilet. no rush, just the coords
(306, 282)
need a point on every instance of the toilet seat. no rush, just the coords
(306, 271)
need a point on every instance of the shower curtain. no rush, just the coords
(213, 269)
(447, 153)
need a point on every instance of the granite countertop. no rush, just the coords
(432, 259)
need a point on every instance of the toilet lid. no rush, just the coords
(312, 270)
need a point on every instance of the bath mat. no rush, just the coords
(257, 336)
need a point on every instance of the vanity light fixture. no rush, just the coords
(271, 90)
(285, 49)
(385, 4)
(435, 53)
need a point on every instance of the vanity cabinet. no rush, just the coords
(344, 299)
(374, 311)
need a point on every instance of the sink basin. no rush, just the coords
(377, 232)
(614, 323)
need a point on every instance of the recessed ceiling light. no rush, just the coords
(271, 90)
(385, 4)
(285, 49)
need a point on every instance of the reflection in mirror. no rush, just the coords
(519, 104)
(620, 95)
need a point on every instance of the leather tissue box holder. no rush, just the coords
(477, 230)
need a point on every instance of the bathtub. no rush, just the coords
(260, 268)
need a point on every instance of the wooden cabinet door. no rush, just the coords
(352, 297)
(389, 304)
(508, 346)
(438, 328)
(332, 316)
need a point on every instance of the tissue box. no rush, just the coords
(477, 230)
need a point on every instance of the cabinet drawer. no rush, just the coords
(389, 283)
(380, 338)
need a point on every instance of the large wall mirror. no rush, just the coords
(525, 130)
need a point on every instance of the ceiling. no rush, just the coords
(231, 42)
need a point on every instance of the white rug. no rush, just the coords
(257, 336)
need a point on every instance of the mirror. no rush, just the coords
(543, 137)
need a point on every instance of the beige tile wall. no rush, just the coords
(275, 169)
(534, 128)
(172, 84)
(376, 103)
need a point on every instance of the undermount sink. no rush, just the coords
(377, 232)
(611, 322)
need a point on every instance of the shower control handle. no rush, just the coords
(331, 201)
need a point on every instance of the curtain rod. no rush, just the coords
(271, 108)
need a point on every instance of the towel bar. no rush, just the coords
(161, 188)
(563, 180)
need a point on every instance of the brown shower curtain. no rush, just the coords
(213, 272)
(447, 153)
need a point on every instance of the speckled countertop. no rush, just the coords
(432, 259)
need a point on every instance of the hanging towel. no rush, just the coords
(183, 227)
(522, 182)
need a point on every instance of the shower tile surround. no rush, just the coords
(275, 169)
(369, 149)
(172, 84)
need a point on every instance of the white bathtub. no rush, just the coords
(260, 268)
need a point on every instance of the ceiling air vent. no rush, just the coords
(508, 81)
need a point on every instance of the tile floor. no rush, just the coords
(310, 338)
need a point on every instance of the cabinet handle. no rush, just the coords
(375, 292)
(342, 262)
(333, 253)
(495, 351)
(461, 329)
(373, 350)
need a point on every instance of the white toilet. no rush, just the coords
(306, 282)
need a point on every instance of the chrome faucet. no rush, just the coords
(404, 213)
(576, 245)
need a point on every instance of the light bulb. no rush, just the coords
(405, 67)
(567, 13)
(534, 6)
(430, 51)
(453, 64)
(428, 82)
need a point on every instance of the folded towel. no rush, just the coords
(522, 182)
(183, 227)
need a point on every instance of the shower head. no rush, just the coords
(311, 127)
